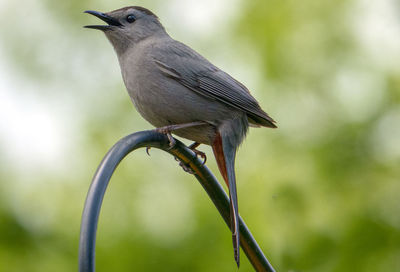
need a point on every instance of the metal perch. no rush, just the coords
(107, 167)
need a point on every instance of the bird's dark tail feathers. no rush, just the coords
(225, 153)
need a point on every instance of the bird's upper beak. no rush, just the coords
(112, 22)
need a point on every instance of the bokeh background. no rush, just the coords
(321, 193)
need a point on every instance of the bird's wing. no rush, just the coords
(200, 76)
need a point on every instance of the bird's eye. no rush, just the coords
(130, 18)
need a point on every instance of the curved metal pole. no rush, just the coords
(123, 147)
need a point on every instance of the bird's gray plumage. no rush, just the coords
(181, 88)
(153, 51)
(171, 84)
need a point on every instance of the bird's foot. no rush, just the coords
(184, 166)
(198, 152)
(166, 130)
(201, 155)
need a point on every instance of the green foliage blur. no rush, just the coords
(320, 193)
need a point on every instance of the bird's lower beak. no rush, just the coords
(112, 22)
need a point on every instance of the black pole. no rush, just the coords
(115, 155)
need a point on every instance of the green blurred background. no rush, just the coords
(321, 193)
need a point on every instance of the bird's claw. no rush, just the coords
(201, 155)
(147, 150)
(198, 153)
(186, 168)
(171, 139)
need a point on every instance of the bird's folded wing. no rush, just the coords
(215, 84)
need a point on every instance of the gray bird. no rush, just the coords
(179, 91)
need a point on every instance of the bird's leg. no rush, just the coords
(168, 129)
(198, 152)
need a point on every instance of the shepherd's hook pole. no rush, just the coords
(123, 147)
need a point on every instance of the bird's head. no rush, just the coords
(127, 26)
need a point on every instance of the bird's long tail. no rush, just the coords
(225, 154)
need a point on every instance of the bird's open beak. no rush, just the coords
(106, 18)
